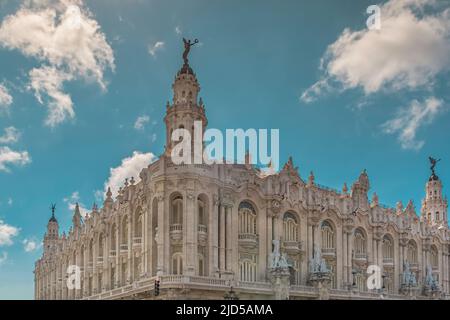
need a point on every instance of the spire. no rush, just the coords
(434, 205)
(53, 218)
(186, 108)
(76, 220)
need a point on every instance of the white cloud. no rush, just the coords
(11, 135)
(410, 119)
(178, 30)
(67, 40)
(409, 51)
(154, 136)
(7, 233)
(130, 167)
(31, 245)
(5, 98)
(141, 122)
(8, 156)
(72, 201)
(3, 257)
(10, 202)
(153, 49)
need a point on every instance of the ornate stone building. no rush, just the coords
(201, 229)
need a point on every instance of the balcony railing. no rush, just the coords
(202, 228)
(137, 241)
(124, 247)
(360, 256)
(388, 261)
(328, 251)
(292, 246)
(99, 260)
(248, 239)
(176, 231)
(112, 253)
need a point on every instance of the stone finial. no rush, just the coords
(126, 182)
(345, 188)
(399, 207)
(109, 193)
(311, 179)
(132, 181)
(375, 200)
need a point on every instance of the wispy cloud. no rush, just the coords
(410, 119)
(409, 51)
(72, 201)
(3, 257)
(141, 121)
(130, 167)
(5, 98)
(178, 30)
(11, 135)
(11, 157)
(30, 245)
(153, 49)
(64, 37)
(7, 233)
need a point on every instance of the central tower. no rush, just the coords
(186, 107)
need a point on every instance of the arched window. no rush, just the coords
(411, 254)
(113, 237)
(360, 243)
(434, 258)
(327, 236)
(201, 212)
(247, 218)
(290, 227)
(437, 216)
(247, 270)
(201, 265)
(388, 249)
(100, 245)
(138, 223)
(177, 210)
(360, 282)
(91, 252)
(177, 263)
(124, 233)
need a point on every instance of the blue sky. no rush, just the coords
(380, 102)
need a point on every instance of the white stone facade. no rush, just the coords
(200, 229)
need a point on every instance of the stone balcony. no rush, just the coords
(329, 252)
(176, 231)
(388, 261)
(360, 257)
(123, 248)
(248, 240)
(293, 247)
(202, 233)
(263, 290)
(99, 261)
(112, 253)
(137, 242)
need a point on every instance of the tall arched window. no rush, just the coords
(411, 254)
(247, 218)
(124, 233)
(327, 236)
(434, 258)
(201, 265)
(177, 263)
(177, 210)
(113, 237)
(138, 223)
(100, 245)
(91, 252)
(388, 249)
(247, 270)
(360, 243)
(290, 227)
